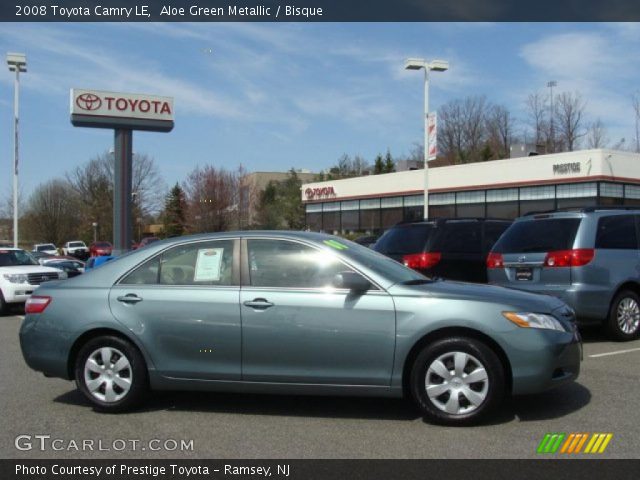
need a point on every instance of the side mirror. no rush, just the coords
(352, 281)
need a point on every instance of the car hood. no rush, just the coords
(513, 298)
(26, 269)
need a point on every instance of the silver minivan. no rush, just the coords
(587, 257)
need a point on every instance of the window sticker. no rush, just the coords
(335, 244)
(208, 265)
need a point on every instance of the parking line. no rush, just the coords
(619, 352)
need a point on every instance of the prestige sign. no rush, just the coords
(136, 111)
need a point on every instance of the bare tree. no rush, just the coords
(462, 129)
(597, 135)
(500, 127)
(537, 112)
(212, 198)
(52, 213)
(569, 116)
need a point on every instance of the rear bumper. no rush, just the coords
(17, 292)
(44, 350)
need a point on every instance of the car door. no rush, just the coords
(184, 305)
(297, 328)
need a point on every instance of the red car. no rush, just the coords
(99, 249)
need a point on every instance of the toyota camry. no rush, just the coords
(295, 313)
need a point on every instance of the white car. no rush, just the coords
(75, 248)
(20, 275)
(48, 248)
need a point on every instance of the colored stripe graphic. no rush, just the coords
(573, 443)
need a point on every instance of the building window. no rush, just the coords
(537, 193)
(632, 191)
(391, 216)
(331, 221)
(313, 207)
(350, 221)
(350, 205)
(508, 210)
(442, 211)
(331, 207)
(314, 221)
(577, 190)
(413, 214)
(391, 202)
(502, 195)
(615, 190)
(369, 203)
(414, 201)
(370, 220)
(442, 198)
(470, 197)
(577, 202)
(531, 206)
(471, 210)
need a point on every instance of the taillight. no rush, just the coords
(421, 261)
(495, 260)
(577, 257)
(36, 304)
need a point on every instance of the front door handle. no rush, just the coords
(258, 303)
(130, 298)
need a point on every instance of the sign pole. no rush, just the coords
(122, 226)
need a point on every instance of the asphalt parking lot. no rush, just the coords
(606, 398)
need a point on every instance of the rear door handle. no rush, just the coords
(258, 303)
(130, 298)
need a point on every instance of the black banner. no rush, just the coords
(319, 11)
(318, 469)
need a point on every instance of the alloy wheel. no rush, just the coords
(628, 315)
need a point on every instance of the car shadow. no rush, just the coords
(594, 334)
(549, 405)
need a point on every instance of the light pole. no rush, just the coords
(436, 66)
(17, 62)
(551, 84)
(95, 231)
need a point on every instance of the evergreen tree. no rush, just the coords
(175, 212)
(378, 166)
(389, 164)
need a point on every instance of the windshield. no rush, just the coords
(76, 244)
(537, 236)
(384, 266)
(12, 258)
(47, 246)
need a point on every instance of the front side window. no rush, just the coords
(203, 263)
(280, 263)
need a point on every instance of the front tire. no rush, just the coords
(3, 304)
(111, 374)
(457, 381)
(623, 322)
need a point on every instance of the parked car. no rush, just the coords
(41, 257)
(20, 275)
(76, 248)
(587, 257)
(451, 248)
(367, 240)
(97, 249)
(315, 315)
(48, 248)
(95, 262)
(72, 267)
(144, 242)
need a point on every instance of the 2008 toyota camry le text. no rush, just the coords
(295, 313)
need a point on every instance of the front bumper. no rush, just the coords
(17, 292)
(545, 360)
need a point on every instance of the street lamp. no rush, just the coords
(551, 84)
(17, 62)
(436, 66)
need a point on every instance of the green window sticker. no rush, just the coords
(335, 244)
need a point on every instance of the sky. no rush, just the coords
(272, 96)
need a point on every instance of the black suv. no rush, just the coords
(452, 248)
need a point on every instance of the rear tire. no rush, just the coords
(111, 374)
(3, 305)
(457, 381)
(623, 322)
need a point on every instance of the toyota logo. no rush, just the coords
(522, 259)
(88, 101)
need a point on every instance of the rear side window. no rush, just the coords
(405, 239)
(543, 235)
(458, 238)
(617, 232)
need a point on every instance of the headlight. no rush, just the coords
(16, 277)
(62, 275)
(534, 320)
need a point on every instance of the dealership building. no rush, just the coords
(497, 189)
